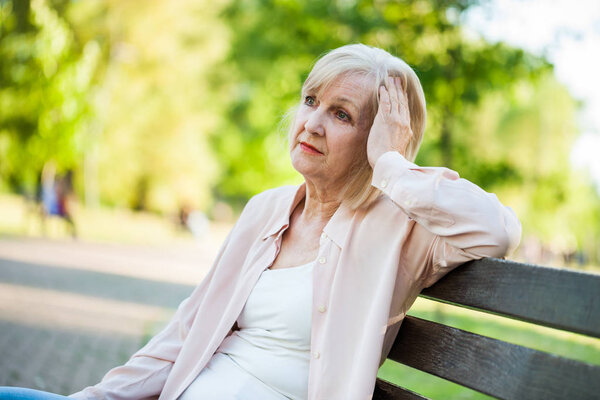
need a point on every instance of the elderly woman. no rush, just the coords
(309, 290)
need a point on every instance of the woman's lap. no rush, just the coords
(17, 393)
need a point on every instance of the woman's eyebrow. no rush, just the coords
(344, 100)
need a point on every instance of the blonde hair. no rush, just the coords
(360, 59)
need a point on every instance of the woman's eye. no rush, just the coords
(309, 101)
(343, 116)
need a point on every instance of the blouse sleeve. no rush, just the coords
(457, 220)
(145, 374)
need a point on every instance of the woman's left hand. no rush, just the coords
(391, 127)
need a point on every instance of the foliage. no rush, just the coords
(44, 97)
(274, 44)
(158, 105)
(496, 114)
(522, 141)
(114, 90)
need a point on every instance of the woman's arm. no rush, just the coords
(458, 220)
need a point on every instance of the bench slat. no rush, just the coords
(557, 298)
(491, 366)
(388, 391)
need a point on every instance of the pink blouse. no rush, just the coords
(372, 264)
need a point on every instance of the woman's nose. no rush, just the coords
(314, 123)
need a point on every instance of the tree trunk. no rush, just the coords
(446, 140)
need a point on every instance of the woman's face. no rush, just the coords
(330, 131)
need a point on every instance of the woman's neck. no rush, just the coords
(319, 205)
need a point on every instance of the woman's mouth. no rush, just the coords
(309, 149)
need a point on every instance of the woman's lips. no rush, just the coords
(309, 149)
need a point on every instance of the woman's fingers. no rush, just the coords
(391, 127)
(398, 98)
(384, 100)
(393, 91)
(400, 90)
(393, 99)
(403, 107)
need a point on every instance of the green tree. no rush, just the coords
(274, 44)
(45, 83)
(524, 138)
(155, 100)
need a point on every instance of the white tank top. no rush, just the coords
(273, 340)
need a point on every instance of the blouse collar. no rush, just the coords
(336, 229)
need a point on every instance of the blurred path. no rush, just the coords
(70, 311)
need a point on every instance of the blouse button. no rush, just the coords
(323, 236)
(322, 260)
(317, 354)
(322, 309)
(384, 183)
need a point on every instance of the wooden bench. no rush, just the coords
(564, 299)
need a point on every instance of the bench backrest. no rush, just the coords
(558, 298)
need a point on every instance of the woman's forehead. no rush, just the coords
(354, 88)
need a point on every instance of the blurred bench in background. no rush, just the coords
(558, 298)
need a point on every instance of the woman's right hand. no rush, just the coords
(391, 129)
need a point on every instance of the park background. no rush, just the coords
(162, 110)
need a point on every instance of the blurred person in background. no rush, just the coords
(56, 196)
(309, 290)
(64, 197)
(195, 221)
(49, 202)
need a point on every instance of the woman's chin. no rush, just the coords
(305, 165)
(310, 173)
